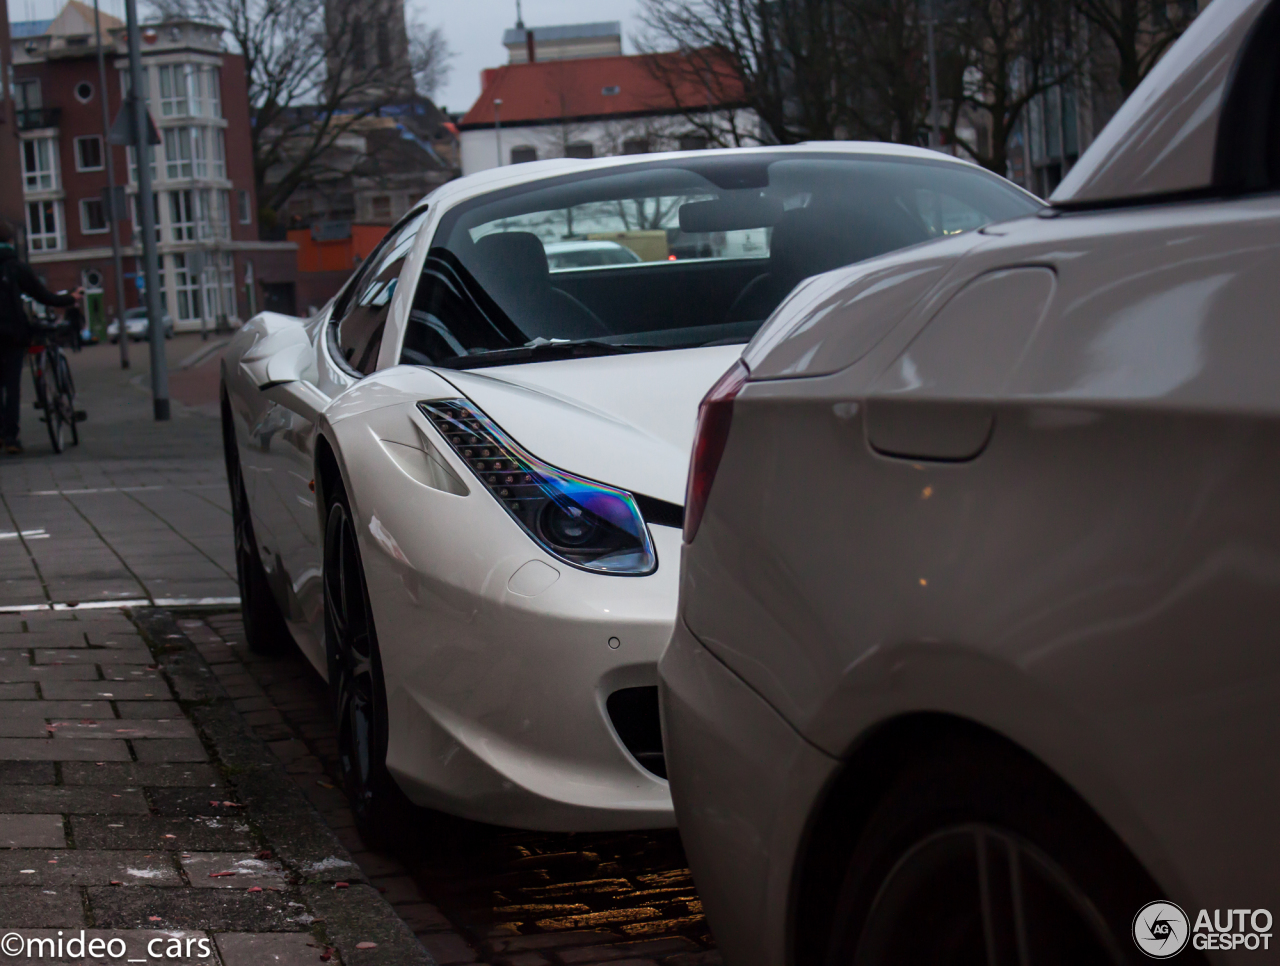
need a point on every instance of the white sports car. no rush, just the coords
(461, 484)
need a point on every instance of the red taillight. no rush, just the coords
(714, 415)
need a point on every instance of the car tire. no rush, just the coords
(356, 685)
(976, 854)
(265, 629)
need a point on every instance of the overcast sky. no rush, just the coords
(474, 31)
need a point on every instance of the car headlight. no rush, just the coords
(584, 523)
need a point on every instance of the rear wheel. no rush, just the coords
(64, 389)
(976, 856)
(357, 686)
(46, 400)
(265, 630)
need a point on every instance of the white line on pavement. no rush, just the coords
(131, 602)
(25, 534)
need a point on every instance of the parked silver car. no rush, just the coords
(977, 655)
(135, 323)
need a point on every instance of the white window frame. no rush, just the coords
(186, 288)
(43, 176)
(136, 212)
(182, 215)
(102, 160)
(43, 240)
(177, 153)
(214, 91)
(174, 90)
(132, 152)
(84, 218)
(218, 159)
(200, 152)
(245, 208)
(228, 278)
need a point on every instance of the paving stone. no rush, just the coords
(358, 914)
(170, 750)
(194, 801)
(25, 691)
(19, 831)
(248, 868)
(85, 867)
(447, 948)
(129, 672)
(90, 690)
(373, 863)
(58, 709)
(47, 672)
(189, 834)
(132, 730)
(27, 773)
(60, 749)
(33, 907)
(141, 773)
(24, 728)
(134, 710)
(269, 949)
(397, 889)
(666, 946)
(85, 655)
(555, 940)
(422, 917)
(110, 637)
(234, 910)
(72, 800)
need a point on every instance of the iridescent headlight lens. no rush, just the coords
(586, 524)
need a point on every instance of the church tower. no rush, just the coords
(369, 49)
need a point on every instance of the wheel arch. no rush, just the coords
(873, 761)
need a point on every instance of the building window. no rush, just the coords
(44, 226)
(635, 146)
(175, 81)
(218, 163)
(177, 152)
(27, 95)
(523, 153)
(93, 219)
(384, 44)
(137, 214)
(579, 149)
(38, 172)
(693, 142)
(380, 207)
(222, 214)
(188, 289)
(141, 270)
(200, 151)
(357, 45)
(126, 83)
(246, 209)
(208, 278)
(182, 215)
(213, 91)
(84, 92)
(228, 278)
(89, 153)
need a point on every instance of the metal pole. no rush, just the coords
(113, 215)
(497, 127)
(146, 206)
(935, 135)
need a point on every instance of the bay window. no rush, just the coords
(44, 226)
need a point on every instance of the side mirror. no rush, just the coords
(279, 363)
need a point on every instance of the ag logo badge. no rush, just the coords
(1161, 929)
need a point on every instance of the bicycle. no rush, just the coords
(55, 390)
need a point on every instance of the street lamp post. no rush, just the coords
(113, 216)
(146, 208)
(497, 127)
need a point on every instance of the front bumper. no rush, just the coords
(744, 784)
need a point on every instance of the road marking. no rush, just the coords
(40, 534)
(127, 489)
(130, 602)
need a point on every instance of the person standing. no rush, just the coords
(17, 279)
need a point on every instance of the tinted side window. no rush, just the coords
(1248, 149)
(359, 331)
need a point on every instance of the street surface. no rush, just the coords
(137, 515)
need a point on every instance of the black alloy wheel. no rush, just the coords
(975, 854)
(356, 685)
(265, 629)
(973, 895)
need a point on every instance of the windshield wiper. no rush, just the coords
(546, 351)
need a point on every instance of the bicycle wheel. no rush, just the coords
(65, 395)
(45, 400)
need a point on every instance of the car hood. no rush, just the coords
(623, 420)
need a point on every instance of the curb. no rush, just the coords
(282, 813)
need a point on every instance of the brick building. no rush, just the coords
(212, 263)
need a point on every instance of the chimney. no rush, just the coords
(529, 45)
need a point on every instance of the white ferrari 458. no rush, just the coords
(460, 486)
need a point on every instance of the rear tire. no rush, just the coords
(382, 811)
(47, 400)
(975, 852)
(65, 397)
(265, 629)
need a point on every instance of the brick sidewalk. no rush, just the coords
(115, 820)
(472, 892)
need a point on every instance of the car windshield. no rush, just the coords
(675, 253)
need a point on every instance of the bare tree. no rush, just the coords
(1139, 31)
(314, 71)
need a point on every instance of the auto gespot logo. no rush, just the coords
(1162, 930)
